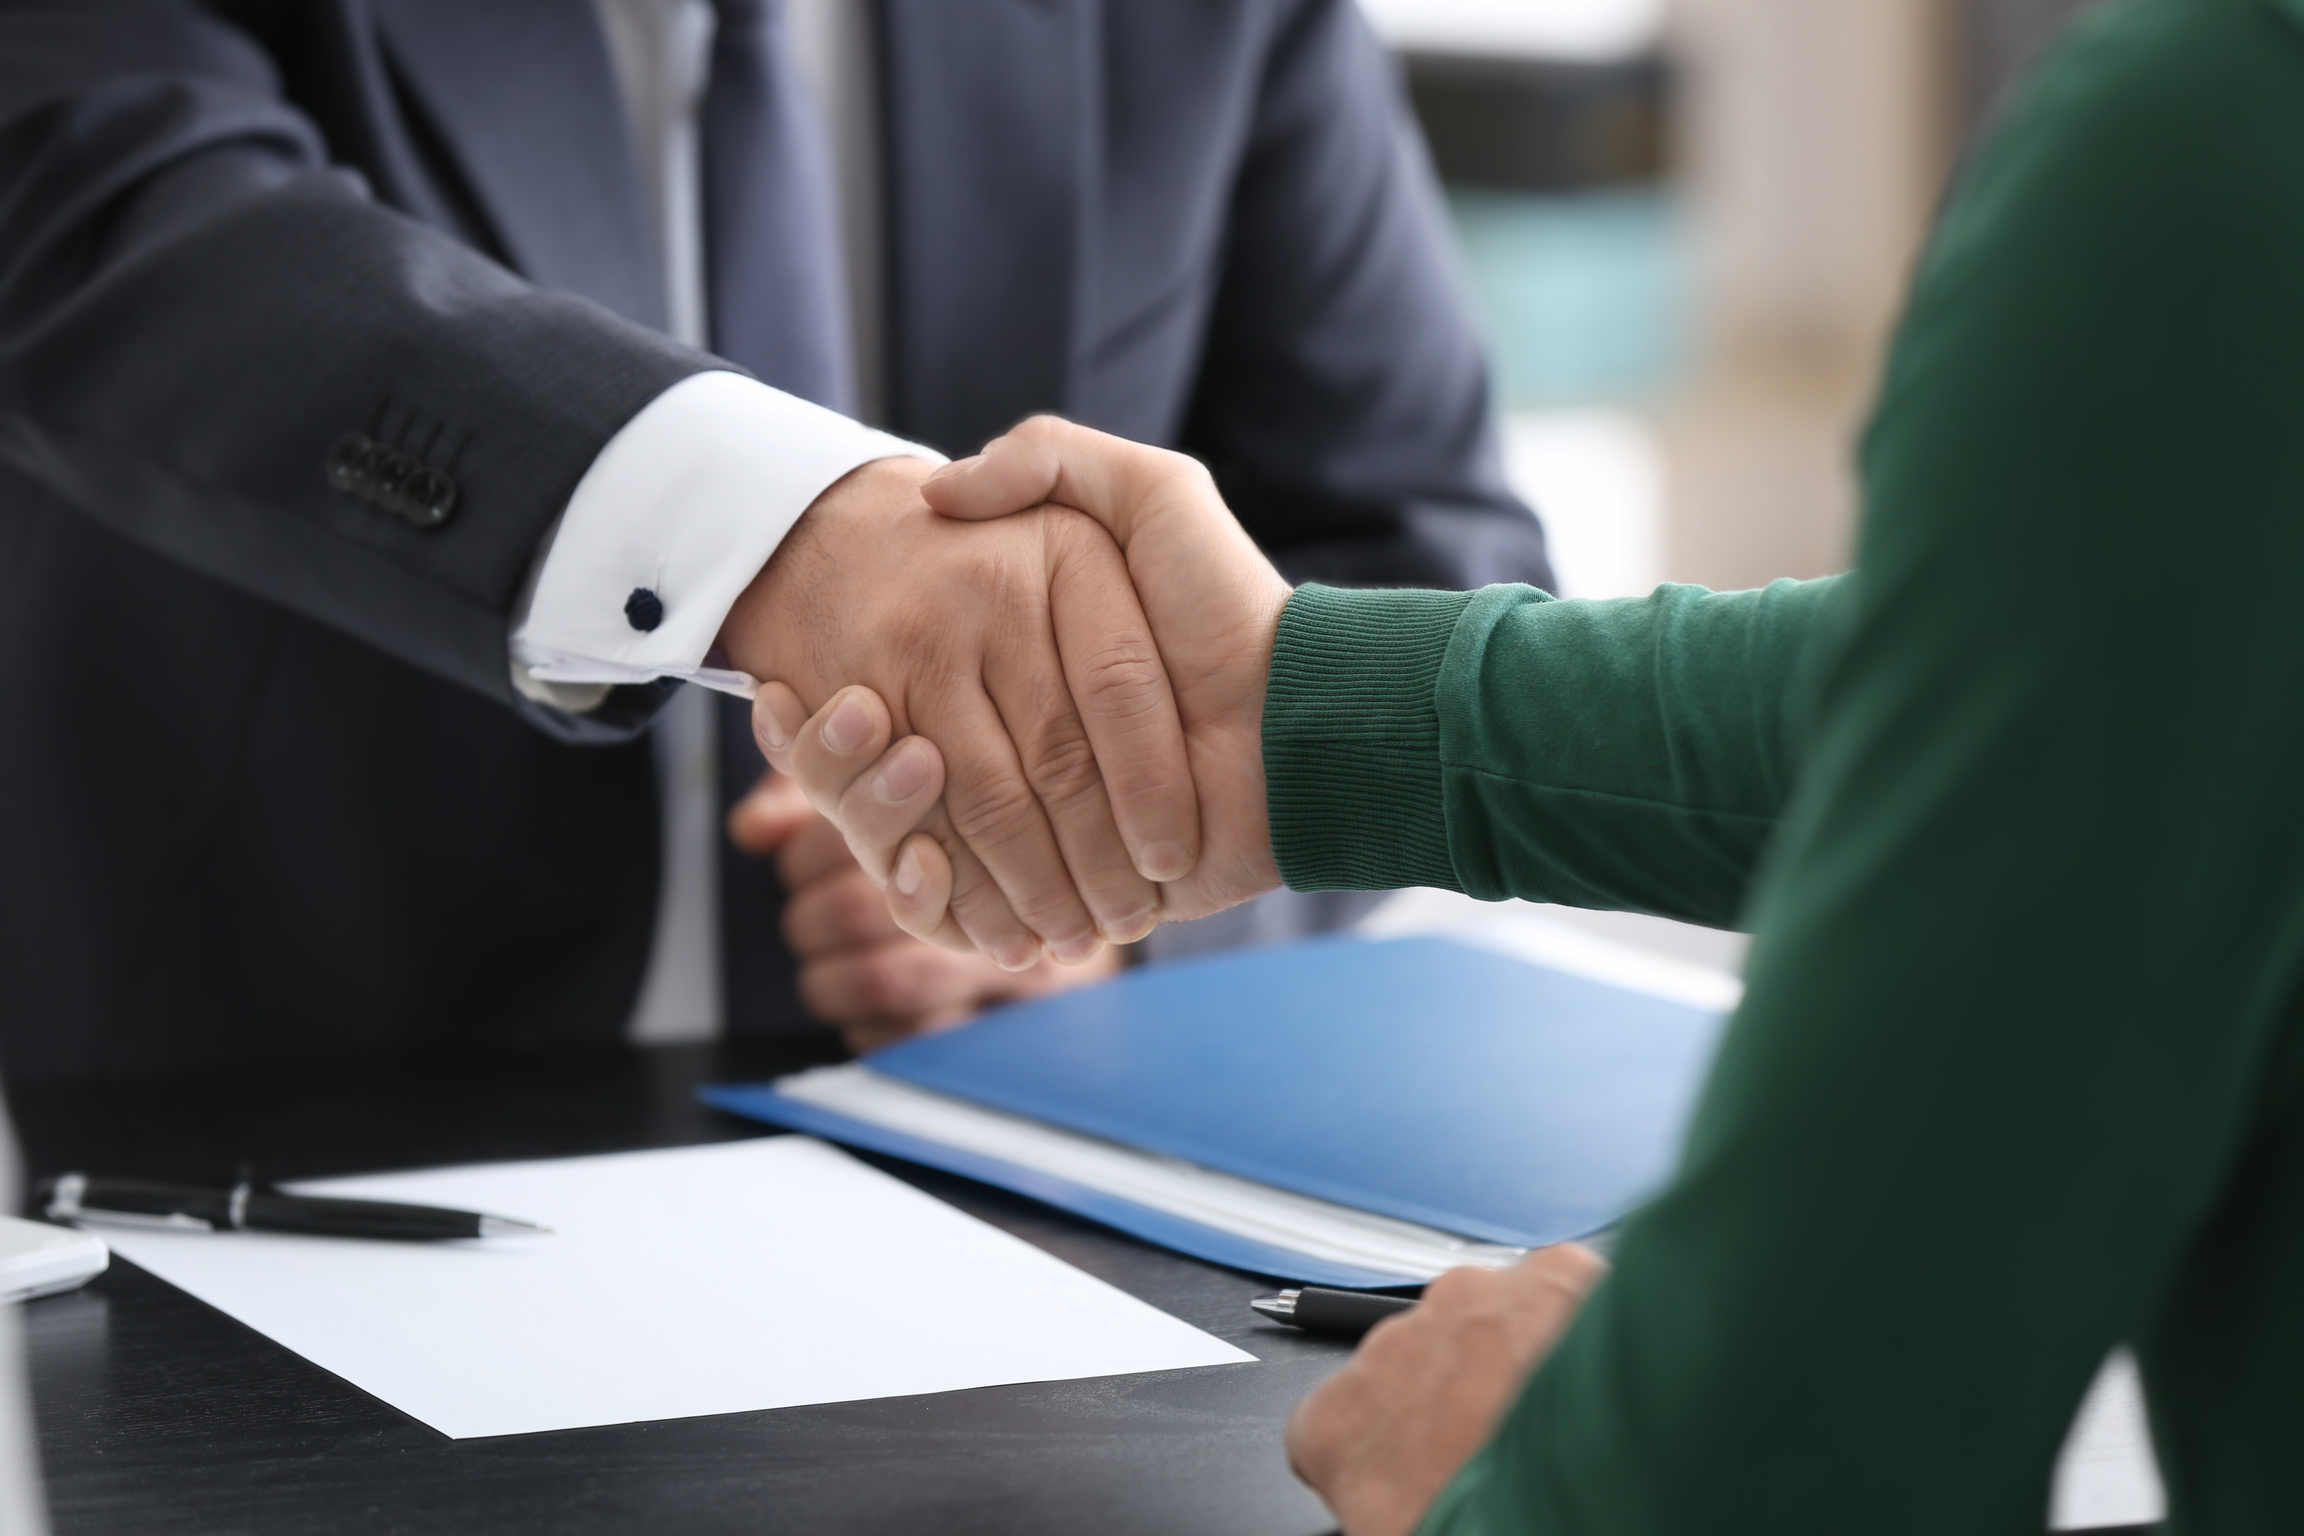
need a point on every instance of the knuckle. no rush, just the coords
(984, 561)
(993, 813)
(1062, 766)
(1458, 1289)
(858, 910)
(1049, 910)
(824, 995)
(1068, 534)
(970, 880)
(914, 632)
(986, 913)
(1059, 920)
(981, 912)
(1080, 544)
(878, 990)
(949, 937)
(1388, 1341)
(981, 565)
(1123, 681)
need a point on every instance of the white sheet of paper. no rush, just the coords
(2107, 1474)
(716, 1279)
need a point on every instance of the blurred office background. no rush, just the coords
(1687, 225)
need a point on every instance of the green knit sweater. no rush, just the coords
(2016, 813)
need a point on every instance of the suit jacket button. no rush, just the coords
(643, 610)
(427, 497)
(348, 463)
(391, 472)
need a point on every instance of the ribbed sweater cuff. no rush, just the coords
(1352, 739)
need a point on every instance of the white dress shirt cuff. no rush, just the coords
(673, 520)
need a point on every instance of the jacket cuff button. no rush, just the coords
(643, 610)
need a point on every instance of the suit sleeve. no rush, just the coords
(1345, 404)
(221, 347)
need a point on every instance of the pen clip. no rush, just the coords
(64, 1205)
(174, 1221)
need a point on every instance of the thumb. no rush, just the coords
(1012, 474)
(1118, 483)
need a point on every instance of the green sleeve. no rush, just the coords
(1632, 754)
(2017, 1074)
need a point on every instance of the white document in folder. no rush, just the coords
(719, 1279)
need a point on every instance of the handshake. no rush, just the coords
(1026, 689)
(1060, 744)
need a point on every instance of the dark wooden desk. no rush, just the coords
(159, 1415)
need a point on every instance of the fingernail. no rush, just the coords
(957, 466)
(1014, 954)
(909, 875)
(1133, 927)
(1166, 861)
(773, 735)
(849, 728)
(901, 777)
(1076, 950)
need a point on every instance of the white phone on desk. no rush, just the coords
(37, 1259)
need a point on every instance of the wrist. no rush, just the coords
(1272, 609)
(799, 574)
(1351, 739)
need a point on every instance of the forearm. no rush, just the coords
(198, 310)
(1634, 753)
(513, 392)
(2014, 1078)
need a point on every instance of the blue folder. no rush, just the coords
(1423, 1079)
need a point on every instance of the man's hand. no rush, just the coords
(1070, 761)
(1379, 1439)
(858, 971)
(1214, 605)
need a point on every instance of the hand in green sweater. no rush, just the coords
(2014, 814)
(1663, 757)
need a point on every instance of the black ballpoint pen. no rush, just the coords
(1316, 1309)
(84, 1200)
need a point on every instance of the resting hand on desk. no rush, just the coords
(1213, 603)
(1379, 1439)
(858, 971)
(1020, 647)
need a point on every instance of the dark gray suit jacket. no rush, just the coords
(264, 787)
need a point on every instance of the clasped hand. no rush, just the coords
(1058, 789)
(1165, 632)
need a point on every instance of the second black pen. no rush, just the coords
(1317, 1309)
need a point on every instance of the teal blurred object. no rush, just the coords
(1583, 295)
